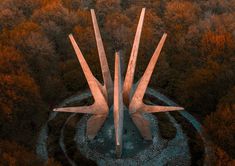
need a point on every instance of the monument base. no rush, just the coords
(135, 150)
(62, 138)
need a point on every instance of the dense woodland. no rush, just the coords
(38, 67)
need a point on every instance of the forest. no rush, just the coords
(38, 67)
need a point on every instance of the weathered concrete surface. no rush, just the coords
(118, 106)
(129, 78)
(136, 106)
(108, 83)
(144, 81)
(100, 107)
(94, 124)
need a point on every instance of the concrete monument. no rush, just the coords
(114, 94)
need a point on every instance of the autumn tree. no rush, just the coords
(54, 12)
(110, 5)
(39, 54)
(106, 7)
(217, 45)
(10, 17)
(71, 4)
(220, 124)
(13, 154)
(117, 26)
(57, 22)
(21, 106)
(178, 16)
(212, 82)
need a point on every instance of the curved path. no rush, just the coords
(41, 146)
(193, 121)
(61, 141)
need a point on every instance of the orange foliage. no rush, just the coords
(84, 18)
(17, 89)
(181, 12)
(217, 43)
(19, 33)
(11, 61)
(221, 127)
(16, 85)
(50, 2)
(12, 154)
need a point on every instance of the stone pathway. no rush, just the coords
(193, 121)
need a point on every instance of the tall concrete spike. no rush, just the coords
(91, 80)
(92, 109)
(136, 106)
(108, 83)
(156, 108)
(143, 84)
(136, 100)
(128, 82)
(100, 107)
(118, 106)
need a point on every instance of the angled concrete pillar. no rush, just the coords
(143, 125)
(100, 107)
(108, 83)
(118, 106)
(128, 82)
(144, 81)
(94, 124)
(137, 107)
